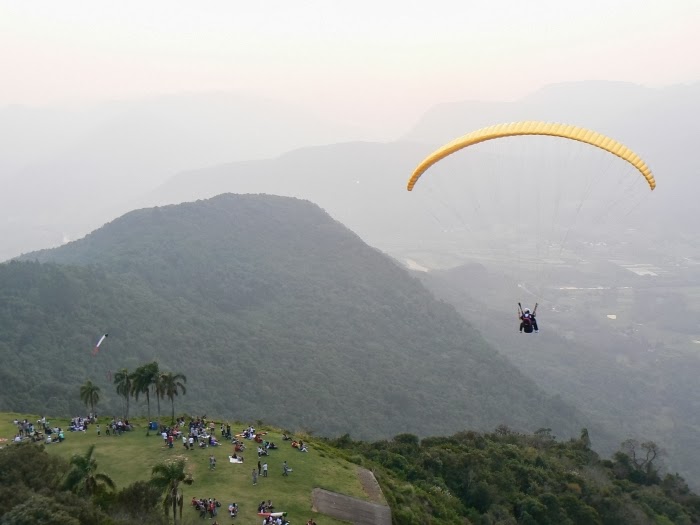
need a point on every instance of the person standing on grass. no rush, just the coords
(255, 477)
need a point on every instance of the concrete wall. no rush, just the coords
(354, 510)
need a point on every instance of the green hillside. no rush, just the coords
(273, 311)
(470, 478)
(130, 457)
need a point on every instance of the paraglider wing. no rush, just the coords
(535, 128)
(97, 346)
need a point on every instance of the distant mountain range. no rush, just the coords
(68, 180)
(363, 184)
(67, 171)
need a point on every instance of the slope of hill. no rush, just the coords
(274, 311)
(361, 184)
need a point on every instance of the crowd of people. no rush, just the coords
(26, 430)
(41, 431)
(196, 433)
(80, 424)
(206, 506)
(117, 427)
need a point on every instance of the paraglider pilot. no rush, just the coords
(528, 322)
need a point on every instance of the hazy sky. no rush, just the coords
(360, 61)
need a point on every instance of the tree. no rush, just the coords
(172, 385)
(124, 382)
(167, 477)
(41, 509)
(83, 477)
(585, 438)
(157, 386)
(143, 379)
(138, 502)
(90, 394)
(503, 430)
(642, 457)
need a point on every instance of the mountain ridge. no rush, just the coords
(252, 282)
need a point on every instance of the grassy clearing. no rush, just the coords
(130, 457)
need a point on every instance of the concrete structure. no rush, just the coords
(350, 509)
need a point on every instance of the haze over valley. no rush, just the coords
(224, 192)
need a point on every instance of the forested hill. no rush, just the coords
(273, 310)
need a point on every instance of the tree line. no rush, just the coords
(508, 478)
(145, 380)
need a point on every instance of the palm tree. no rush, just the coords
(157, 386)
(172, 385)
(143, 378)
(167, 477)
(125, 385)
(90, 394)
(83, 477)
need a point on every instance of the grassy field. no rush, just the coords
(130, 457)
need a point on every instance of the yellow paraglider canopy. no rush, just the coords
(535, 128)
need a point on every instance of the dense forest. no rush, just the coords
(507, 478)
(273, 310)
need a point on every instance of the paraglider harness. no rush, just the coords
(527, 320)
